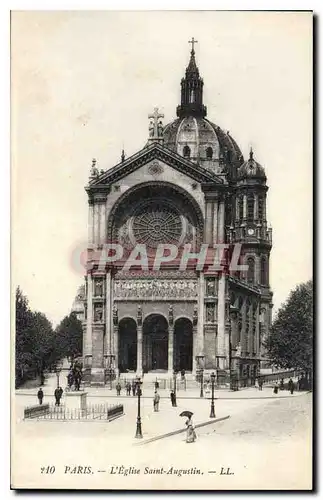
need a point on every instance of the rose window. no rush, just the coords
(156, 223)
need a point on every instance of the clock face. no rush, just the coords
(251, 231)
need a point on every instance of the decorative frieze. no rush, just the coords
(157, 289)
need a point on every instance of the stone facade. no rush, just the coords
(188, 186)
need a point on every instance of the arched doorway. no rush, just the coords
(155, 343)
(183, 344)
(127, 345)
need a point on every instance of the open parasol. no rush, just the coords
(186, 413)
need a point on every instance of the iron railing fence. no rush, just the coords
(91, 412)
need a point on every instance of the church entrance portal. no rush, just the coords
(155, 343)
(183, 344)
(127, 345)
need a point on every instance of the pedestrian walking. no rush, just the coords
(133, 386)
(156, 401)
(128, 388)
(173, 398)
(281, 386)
(118, 388)
(57, 395)
(40, 396)
(276, 389)
(260, 383)
(291, 386)
(190, 431)
(60, 392)
(156, 385)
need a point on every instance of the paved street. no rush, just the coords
(265, 442)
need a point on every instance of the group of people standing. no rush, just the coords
(290, 386)
(130, 387)
(57, 394)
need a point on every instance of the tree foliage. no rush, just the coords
(35, 343)
(290, 342)
(69, 336)
(38, 346)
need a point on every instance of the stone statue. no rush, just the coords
(98, 313)
(151, 129)
(94, 171)
(160, 129)
(99, 288)
(210, 313)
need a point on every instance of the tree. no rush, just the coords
(69, 335)
(290, 342)
(34, 341)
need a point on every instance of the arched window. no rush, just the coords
(250, 207)
(192, 96)
(209, 153)
(251, 270)
(261, 206)
(263, 271)
(186, 152)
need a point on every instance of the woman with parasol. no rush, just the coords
(190, 432)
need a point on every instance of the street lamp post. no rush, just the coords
(212, 413)
(199, 360)
(110, 368)
(202, 381)
(58, 370)
(138, 429)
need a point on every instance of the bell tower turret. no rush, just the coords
(192, 90)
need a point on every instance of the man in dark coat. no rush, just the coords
(58, 396)
(128, 388)
(260, 383)
(173, 398)
(134, 387)
(40, 396)
(118, 387)
(291, 386)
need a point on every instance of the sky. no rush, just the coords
(82, 86)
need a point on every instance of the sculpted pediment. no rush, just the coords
(156, 156)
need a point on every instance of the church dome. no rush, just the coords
(251, 169)
(202, 141)
(193, 136)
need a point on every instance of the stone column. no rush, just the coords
(221, 221)
(208, 221)
(90, 223)
(102, 212)
(170, 349)
(215, 222)
(96, 227)
(108, 319)
(255, 207)
(87, 353)
(244, 206)
(221, 322)
(139, 350)
(199, 344)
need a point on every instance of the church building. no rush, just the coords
(189, 187)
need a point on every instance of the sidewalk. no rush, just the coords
(104, 392)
